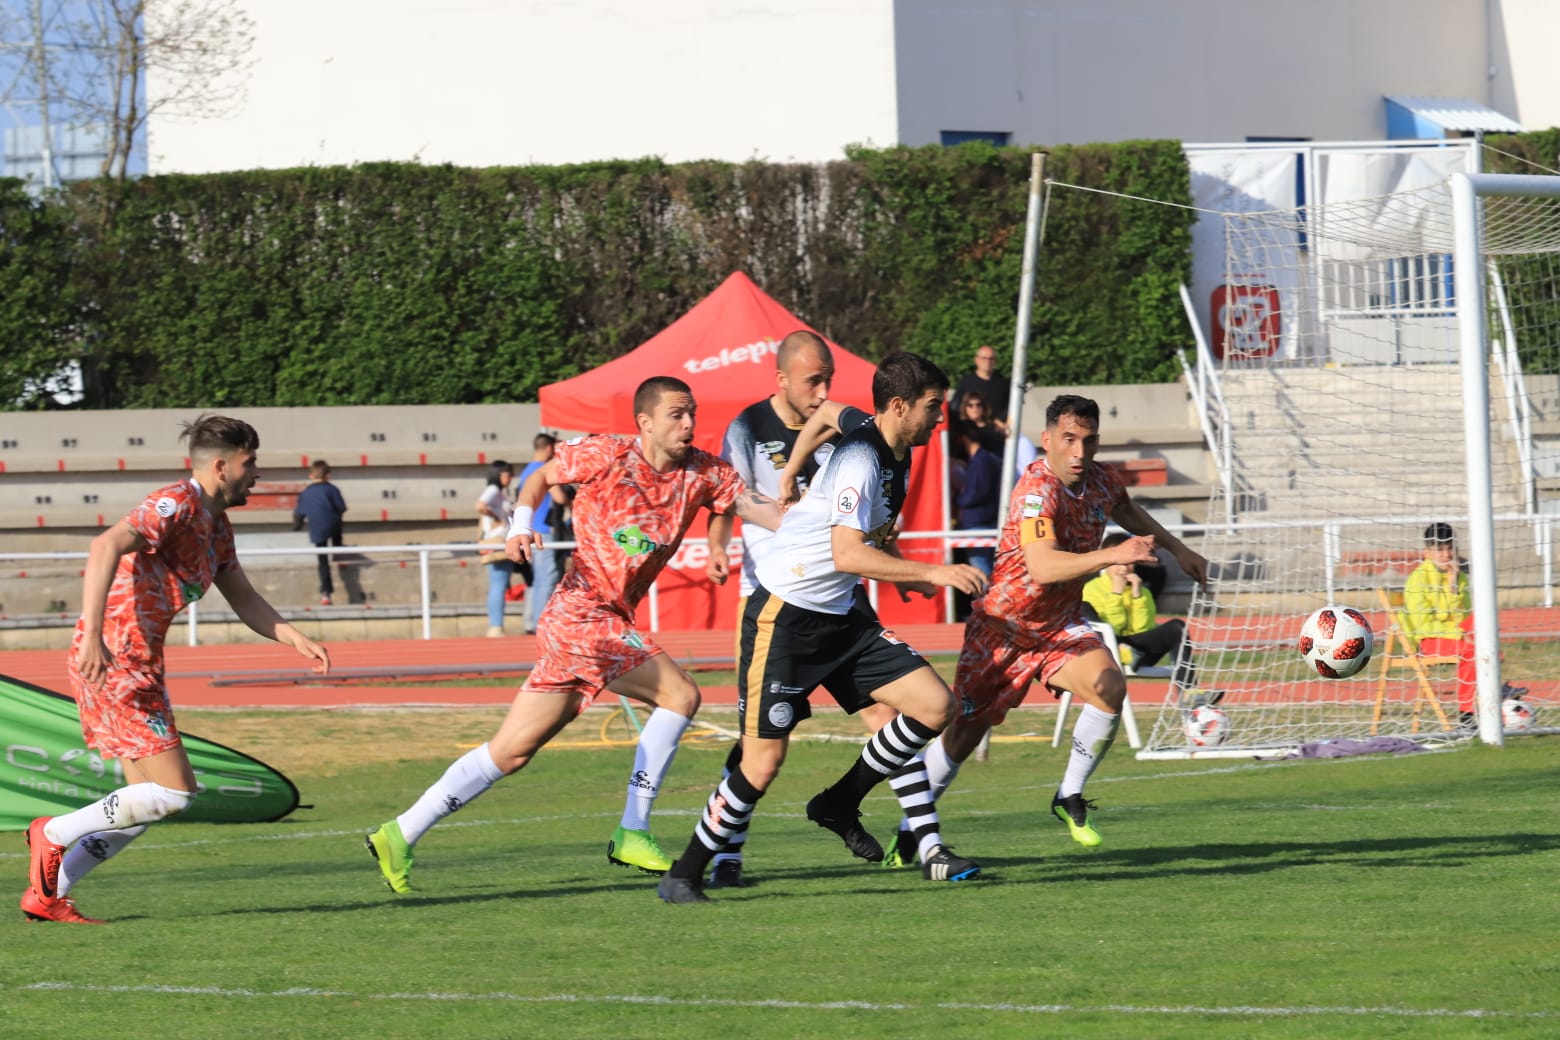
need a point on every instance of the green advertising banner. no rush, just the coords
(46, 769)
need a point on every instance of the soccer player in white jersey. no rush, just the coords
(799, 632)
(761, 443)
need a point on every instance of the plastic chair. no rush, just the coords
(1128, 720)
(1400, 650)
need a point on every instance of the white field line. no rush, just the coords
(1238, 1011)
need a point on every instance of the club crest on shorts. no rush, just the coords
(780, 715)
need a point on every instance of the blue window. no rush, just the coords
(999, 138)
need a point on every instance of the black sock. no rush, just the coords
(889, 750)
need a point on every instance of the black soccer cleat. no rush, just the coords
(680, 890)
(727, 874)
(943, 865)
(847, 824)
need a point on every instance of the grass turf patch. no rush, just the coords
(1365, 897)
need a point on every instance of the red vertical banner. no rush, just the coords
(1245, 321)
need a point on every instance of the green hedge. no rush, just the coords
(410, 284)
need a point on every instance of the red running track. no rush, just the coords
(259, 675)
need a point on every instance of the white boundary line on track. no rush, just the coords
(792, 1005)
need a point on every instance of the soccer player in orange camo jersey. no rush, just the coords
(1030, 623)
(637, 497)
(140, 573)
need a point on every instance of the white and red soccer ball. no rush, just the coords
(1207, 726)
(1516, 716)
(1336, 641)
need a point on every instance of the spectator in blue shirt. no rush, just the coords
(321, 506)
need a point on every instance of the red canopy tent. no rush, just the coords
(724, 349)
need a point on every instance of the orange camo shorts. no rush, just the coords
(583, 650)
(998, 663)
(128, 716)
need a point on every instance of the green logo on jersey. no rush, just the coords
(192, 591)
(634, 639)
(633, 542)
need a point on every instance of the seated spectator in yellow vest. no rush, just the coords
(1438, 614)
(1118, 597)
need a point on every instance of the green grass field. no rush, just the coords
(1357, 898)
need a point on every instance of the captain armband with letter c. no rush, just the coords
(1035, 529)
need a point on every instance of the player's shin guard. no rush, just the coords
(733, 849)
(129, 806)
(726, 813)
(889, 750)
(92, 851)
(1093, 734)
(653, 757)
(466, 778)
(914, 790)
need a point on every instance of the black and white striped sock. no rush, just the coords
(726, 813)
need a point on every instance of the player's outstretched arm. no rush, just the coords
(821, 425)
(757, 508)
(93, 659)
(1134, 519)
(522, 540)
(255, 611)
(853, 555)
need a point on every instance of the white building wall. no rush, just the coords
(1525, 84)
(511, 83)
(532, 81)
(1072, 71)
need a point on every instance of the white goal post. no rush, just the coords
(1383, 365)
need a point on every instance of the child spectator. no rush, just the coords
(321, 507)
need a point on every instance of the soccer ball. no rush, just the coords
(1336, 641)
(1517, 715)
(1207, 727)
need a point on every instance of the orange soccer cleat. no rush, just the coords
(43, 872)
(62, 909)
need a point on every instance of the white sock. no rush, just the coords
(92, 851)
(466, 778)
(1093, 734)
(652, 759)
(117, 810)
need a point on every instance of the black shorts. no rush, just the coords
(788, 651)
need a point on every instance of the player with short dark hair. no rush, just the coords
(1030, 626)
(636, 498)
(764, 442)
(800, 632)
(140, 573)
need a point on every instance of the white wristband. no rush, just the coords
(520, 524)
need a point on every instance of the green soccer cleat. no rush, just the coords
(637, 849)
(901, 850)
(393, 854)
(1074, 811)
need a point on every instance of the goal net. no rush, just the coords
(1339, 396)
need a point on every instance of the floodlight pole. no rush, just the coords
(1026, 292)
